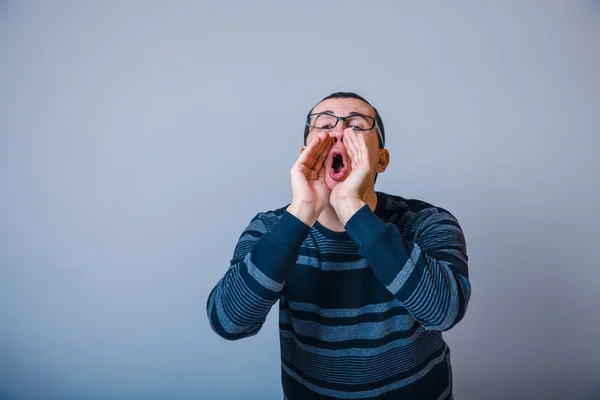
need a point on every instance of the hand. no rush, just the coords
(361, 176)
(310, 193)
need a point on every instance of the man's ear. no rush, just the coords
(383, 162)
(302, 149)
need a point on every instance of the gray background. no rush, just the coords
(137, 139)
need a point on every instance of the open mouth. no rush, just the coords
(338, 163)
(339, 166)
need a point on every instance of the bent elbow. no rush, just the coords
(226, 329)
(445, 321)
(237, 333)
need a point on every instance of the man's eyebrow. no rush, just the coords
(357, 113)
(325, 112)
(350, 114)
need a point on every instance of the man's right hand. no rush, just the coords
(310, 193)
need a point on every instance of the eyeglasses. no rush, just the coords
(358, 122)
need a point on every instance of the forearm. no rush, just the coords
(238, 305)
(431, 289)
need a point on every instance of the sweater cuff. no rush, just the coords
(363, 226)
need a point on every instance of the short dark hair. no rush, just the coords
(350, 95)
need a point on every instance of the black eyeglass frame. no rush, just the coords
(338, 119)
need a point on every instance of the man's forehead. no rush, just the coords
(344, 106)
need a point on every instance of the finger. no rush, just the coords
(350, 145)
(322, 143)
(310, 174)
(319, 164)
(358, 150)
(308, 156)
(362, 145)
(325, 143)
(321, 174)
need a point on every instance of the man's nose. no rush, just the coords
(338, 132)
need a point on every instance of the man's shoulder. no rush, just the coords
(269, 217)
(398, 206)
(393, 201)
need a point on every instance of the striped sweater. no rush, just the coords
(361, 312)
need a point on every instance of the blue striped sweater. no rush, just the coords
(361, 312)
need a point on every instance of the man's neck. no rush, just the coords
(330, 220)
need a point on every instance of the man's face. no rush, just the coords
(338, 163)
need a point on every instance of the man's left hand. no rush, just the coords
(348, 196)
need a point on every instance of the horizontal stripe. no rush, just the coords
(406, 270)
(253, 285)
(359, 370)
(349, 374)
(333, 255)
(367, 393)
(332, 266)
(345, 321)
(352, 343)
(261, 278)
(429, 387)
(344, 312)
(325, 245)
(242, 306)
(361, 331)
(373, 351)
(354, 387)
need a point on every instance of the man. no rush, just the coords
(366, 281)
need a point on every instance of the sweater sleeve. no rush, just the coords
(239, 303)
(429, 275)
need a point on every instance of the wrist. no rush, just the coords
(346, 207)
(340, 199)
(305, 212)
